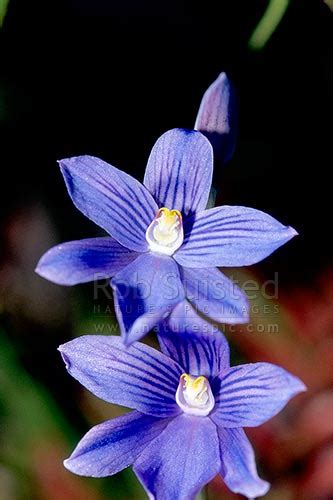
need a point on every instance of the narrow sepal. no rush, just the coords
(251, 394)
(111, 198)
(179, 170)
(84, 260)
(114, 445)
(138, 377)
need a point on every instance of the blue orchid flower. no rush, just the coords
(189, 405)
(164, 245)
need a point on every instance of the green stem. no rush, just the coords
(268, 24)
(3, 10)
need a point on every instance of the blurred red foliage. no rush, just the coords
(295, 448)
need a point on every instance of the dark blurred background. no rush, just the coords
(106, 78)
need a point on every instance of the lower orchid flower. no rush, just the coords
(190, 408)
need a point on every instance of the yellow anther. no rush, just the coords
(169, 214)
(193, 382)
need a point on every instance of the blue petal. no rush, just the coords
(112, 199)
(217, 117)
(185, 318)
(230, 236)
(179, 170)
(138, 377)
(84, 260)
(144, 293)
(239, 469)
(253, 393)
(198, 347)
(114, 445)
(181, 460)
(215, 296)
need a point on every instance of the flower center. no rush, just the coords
(165, 234)
(194, 395)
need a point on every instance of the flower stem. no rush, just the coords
(268, 24)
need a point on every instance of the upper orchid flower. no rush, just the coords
(189, 410)
(164, 245)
